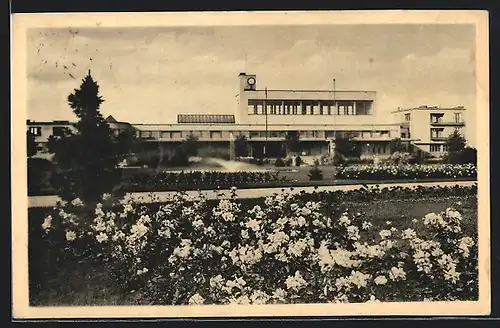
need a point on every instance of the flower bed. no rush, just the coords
(207, 179)
(406, 171)
(288, 249)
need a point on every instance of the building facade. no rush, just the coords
(265, 116)
(430, 126)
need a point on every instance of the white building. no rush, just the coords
(264, 116)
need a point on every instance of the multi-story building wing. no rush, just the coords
(430, 126)
(265, 116)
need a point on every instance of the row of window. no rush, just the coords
(438, 117)
(438, 148)
(308, 107)
(56, 130)
(439, 132)
(259, 134)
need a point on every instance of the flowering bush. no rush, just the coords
(285, 250)
(406, 171)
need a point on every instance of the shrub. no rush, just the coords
(279, 163)
(315, 173)
(409, 171)
(298, 161)
(39, 175)
(284, 250)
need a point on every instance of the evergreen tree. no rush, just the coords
(292, 141)
(86, 158)
(241, 146)
(455, 142)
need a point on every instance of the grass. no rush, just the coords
(55, 281)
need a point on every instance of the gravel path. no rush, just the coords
(49, 201)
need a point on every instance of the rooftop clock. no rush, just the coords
(251, 81)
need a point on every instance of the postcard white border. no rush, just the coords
(22, 22)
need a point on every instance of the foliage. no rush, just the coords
(346, 146)
(198, 178)
(298, 161)
(87, 159)
(468, 155)
(292, 141)
(31, 145)
(241, 146)
(190, 146)
(398, 158)
(315, 173)
(455, 142)
(406, 172)
(397, 145)
(39, 173)
(285, 250)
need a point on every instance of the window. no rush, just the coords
(435, 148)
(36, 130)
(458, 117)
(437, 133)
(407, 117)
(176, 134)
(436, 118)
(215, 134)
(145, 134)
(403, 135)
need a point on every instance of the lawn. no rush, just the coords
(55, 281)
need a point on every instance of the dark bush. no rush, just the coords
(279, 163)
(298, 161)
(315, 173)
(39, 175)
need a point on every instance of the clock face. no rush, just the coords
(251, 81)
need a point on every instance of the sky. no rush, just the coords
(149, 75)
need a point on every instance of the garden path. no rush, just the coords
(144, 197)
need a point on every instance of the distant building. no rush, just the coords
(264, 116)
(430, 126)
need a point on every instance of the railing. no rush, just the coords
(447, 123)
(438, 138)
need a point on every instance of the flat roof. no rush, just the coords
(428, 108)
(205, 119)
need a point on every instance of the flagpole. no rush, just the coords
(265, 111)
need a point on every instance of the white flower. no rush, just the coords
(464, 246)
(385, 234)
(196, 299)
(244, 234)
(408, 234)
(227, 216)
(388, 222)
(380, 280)
(366, 225)
(101, 237)
(344, 220)
(279, 294)
(359, 279)
(216, 281)
(353, 233)
(77, 202)
(70, 235)
(397, 273)
(106, 196)
(197, 224)
(253, 224)
(373, 299)
(47, 223)
(295, 282)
